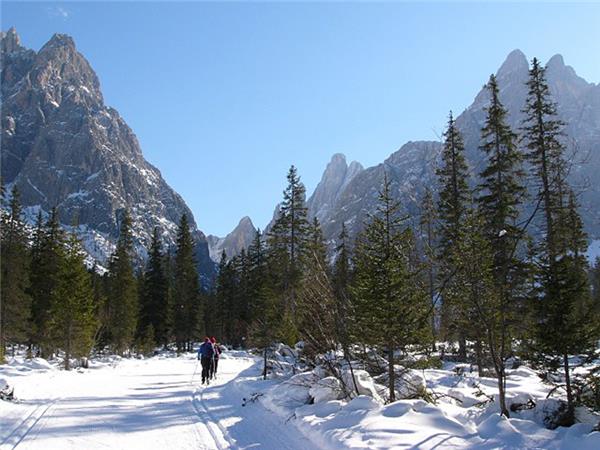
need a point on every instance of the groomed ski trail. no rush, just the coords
(150, 404)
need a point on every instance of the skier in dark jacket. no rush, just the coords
(217, 348)
(206, 353)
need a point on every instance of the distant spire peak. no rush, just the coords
(515, 61)
(556, 61)
(10, 40)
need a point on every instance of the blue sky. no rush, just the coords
(225, 96)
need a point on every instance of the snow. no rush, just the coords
(79, 195)
(157, 403)
(92, 176)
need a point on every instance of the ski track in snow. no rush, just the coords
(143, 404)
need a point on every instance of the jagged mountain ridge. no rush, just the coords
(412, 168)
(62, 146)
(239, 239)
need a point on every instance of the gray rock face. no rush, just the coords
(336, 177)
(409, 171)
(62, 146)
(239, 239)
(412, 167)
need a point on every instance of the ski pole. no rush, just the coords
(194, 374)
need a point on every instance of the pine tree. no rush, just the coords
(454, 196)
(15, 301)
(217, 313)
(47, 258)
(122, 302)
(428, 224)
(500, 195)
(100, 300)
(187, 314)
(453, 204)
(286, 246)
(242, 267)
(562, 290)
(287, 242)
(154, 305)
(72, 320)
(257, 274)
(264, 309)
(225, 293)
(595, 277)
(389, 304)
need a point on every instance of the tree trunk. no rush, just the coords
(391, 374)
(570, 418)
(68, 349)
(347, 357)
(479, 357)
(265, 363)
(502, 392)
(462, 346)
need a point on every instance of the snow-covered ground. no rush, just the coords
(153, 403)
(136, 404)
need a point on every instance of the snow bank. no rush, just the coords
(465, 413)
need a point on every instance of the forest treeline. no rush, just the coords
(495, 267)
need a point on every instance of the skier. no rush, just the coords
(213, 368)
(206, 353)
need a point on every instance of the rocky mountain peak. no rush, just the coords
(411, 169)
(245, 222)
(335, 178)
(239, 239)
(63, 147)
(564, 78)
(11, 42)
(516, 61)
(59, 64)
(556, 62)
(59, 40)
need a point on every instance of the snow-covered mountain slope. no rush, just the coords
(412, 167)
(62, 146)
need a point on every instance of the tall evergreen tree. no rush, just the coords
(562, 291)
(453, 203)
(72, 319)
(287, 248)
(47, 258)
(154, 307)
(15, 302)
(595, 276)
(265, 317)
(454, 193)
(187, 314)
(257, 263)
(225, 293)
(122, 304)
(243, 295)
(428, 223)
(389, 304)
(500, 195)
